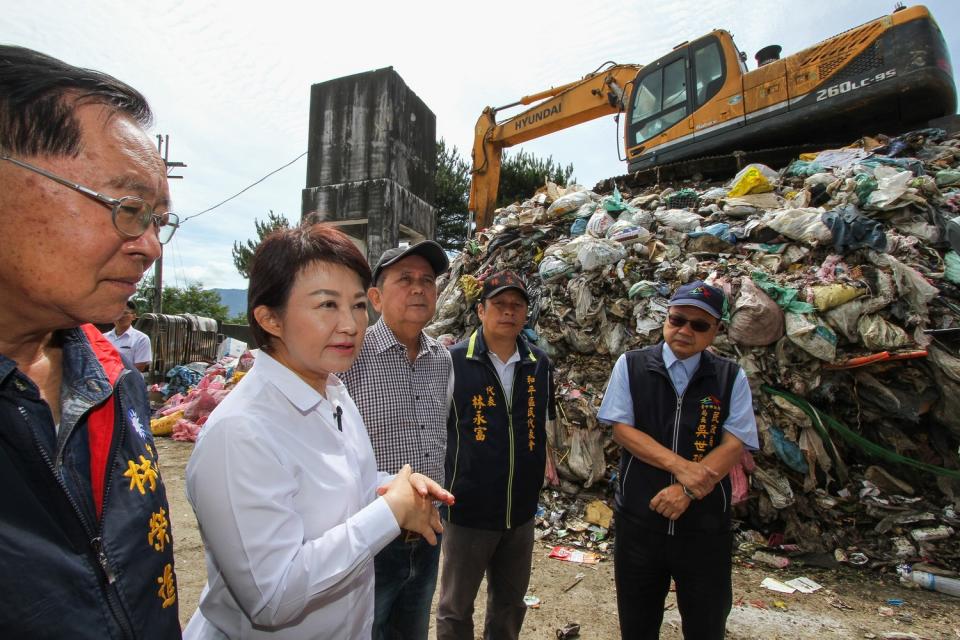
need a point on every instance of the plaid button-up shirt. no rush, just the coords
(404, 404)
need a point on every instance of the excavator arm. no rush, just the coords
(597, 94)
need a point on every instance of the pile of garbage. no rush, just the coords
(843, 283)
(192, 392)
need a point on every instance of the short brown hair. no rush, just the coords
(287, 251)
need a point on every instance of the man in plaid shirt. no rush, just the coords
(401, 382)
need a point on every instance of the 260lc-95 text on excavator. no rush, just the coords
(699, 101)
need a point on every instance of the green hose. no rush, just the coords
(820, 418)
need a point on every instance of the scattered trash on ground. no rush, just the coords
(579, 556)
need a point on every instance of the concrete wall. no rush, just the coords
(372, 159)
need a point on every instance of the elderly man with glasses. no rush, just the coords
(682, 416)
(85, 542)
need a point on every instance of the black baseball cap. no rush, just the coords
(428, 249)
(701, 295)
(501, 281)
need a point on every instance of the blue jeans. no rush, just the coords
(406, 576)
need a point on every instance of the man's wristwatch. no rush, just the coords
(688, 493)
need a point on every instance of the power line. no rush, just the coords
(248, 187)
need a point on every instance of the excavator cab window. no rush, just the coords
(660, 100)
(708, 71)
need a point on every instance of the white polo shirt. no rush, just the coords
(131, 343)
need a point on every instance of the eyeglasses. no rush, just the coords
(132, 216)
(700, 326)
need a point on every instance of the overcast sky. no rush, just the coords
(230, 81)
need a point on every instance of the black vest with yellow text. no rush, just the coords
(690, 425)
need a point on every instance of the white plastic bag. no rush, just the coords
(553, 268)
(879, 335)
(802, 225)
(679, 219)
(812, 336)
(599, 222)
(566, 204)
(600, 252)
(891, 186)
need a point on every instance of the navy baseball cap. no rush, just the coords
(427, 249)
(501, 281)
(701, 295)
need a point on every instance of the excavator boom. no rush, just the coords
(597, 94)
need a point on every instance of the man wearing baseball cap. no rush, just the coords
(682, 416)
(401, 383)
(497, 457)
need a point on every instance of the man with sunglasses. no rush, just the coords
(85, 539)
(682, 416)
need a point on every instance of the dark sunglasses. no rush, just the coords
(700, 326)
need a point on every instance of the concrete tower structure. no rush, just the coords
(371, 160)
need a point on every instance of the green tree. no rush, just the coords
(452, 192)
(191, 299)
(521, 174)
(243, 253)
(239, 318)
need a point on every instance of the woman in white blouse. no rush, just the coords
(283, 479)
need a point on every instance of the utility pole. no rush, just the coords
(163, 146)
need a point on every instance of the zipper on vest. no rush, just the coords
(509, 403)
(623, 480)
(117, 442)
(671, 524)
(456, 457)
(96, 541)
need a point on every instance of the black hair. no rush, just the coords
(283, 254)
(39, 95)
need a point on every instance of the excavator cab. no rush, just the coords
(688, 95)
(674, 87)
(887, 75)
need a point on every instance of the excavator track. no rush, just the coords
(716, 167)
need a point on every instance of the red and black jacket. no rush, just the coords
(85, 536)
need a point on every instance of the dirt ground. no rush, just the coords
(851, 604)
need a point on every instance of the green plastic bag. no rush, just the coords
(614, 203)
(866, 184)
(785, 297)
(952, 270)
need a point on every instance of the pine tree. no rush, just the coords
(243, 253)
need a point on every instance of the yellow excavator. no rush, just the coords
(699, 102)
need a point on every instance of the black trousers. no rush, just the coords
(644, 561)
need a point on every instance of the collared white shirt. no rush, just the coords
(134, 344)
(505, 371)
(617, 404)
(288, 512)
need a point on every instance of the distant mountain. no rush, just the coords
(234, 299)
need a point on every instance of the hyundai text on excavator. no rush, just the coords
(699, 103)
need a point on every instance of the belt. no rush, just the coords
(409, 537)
